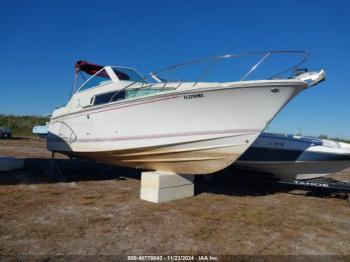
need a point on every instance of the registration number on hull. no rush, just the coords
(193, 96)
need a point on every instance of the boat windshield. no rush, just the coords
(101, 78)
(91, 75)
(131, 73)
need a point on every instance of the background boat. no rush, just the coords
(295, 157)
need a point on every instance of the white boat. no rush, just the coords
(41, 130)
(295, 157)
(119, 117)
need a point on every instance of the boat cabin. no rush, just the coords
(97, 85)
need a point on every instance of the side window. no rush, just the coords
(101, 78)
(106, 97)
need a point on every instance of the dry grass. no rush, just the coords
(89, 210)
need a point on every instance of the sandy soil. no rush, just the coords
(95, 209)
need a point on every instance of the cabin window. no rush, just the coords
(125, 94)
(132, 93)
(109, 97)
(100, 78)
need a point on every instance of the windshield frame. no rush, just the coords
(94, 75)
(112, 75)
(141, 77)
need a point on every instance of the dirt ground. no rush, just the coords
(95, 209)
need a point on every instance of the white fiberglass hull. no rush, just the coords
(197, 131)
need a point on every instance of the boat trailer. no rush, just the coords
(322, 185)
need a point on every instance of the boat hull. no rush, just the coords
(189, 132)
(200, 157)
(295, 169)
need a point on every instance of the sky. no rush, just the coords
(41, 40)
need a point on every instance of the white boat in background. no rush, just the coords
(295, 157)
(117, 116)
(41, 130)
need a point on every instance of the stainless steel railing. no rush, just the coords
(215, 60)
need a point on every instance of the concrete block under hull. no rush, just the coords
(160, 187)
